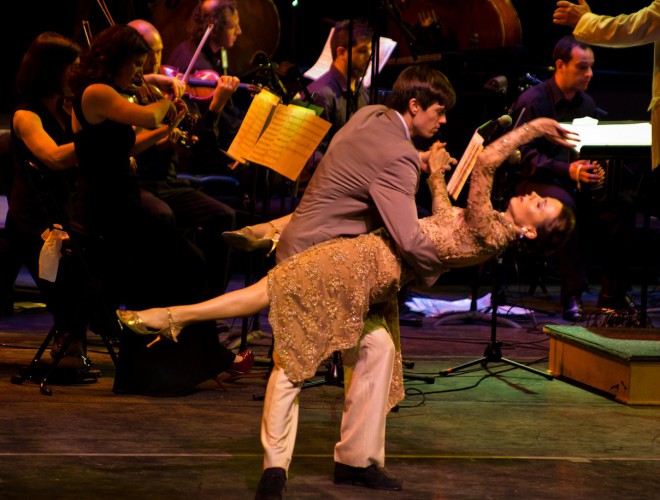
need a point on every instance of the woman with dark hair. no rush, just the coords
(319, 298)
(42, 143)
(143, 261)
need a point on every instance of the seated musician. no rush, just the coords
(174, 199)
(329, 91)
(553, 172)
(223, 15)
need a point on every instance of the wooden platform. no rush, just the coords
(624, 363)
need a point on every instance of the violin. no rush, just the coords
(145, 93)
(201, 84)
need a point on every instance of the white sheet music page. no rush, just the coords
(595, 133)
(323, 63)
(465, 165)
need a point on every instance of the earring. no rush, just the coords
(523, 232)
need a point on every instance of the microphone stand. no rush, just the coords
(493, 351)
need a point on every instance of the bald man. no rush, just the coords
(164, 194)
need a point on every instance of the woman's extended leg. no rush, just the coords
(264, 235)
(236, 304)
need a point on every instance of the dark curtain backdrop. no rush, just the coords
(304, 29)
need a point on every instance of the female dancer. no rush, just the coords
(319, 298)
(143, 260)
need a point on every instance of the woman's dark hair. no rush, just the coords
(110, 49)
(551, 236)
(202, 16)
(42, 70)
(423, 83)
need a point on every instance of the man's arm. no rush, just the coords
(625, 30)
(393, 193)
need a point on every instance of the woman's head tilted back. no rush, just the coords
(423, 83)
(552, 228)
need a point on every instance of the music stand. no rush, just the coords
(617, 141)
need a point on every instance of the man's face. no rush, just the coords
(426, 122)
(575, 75)
(232, 30)
(360, 58)
(154, 58)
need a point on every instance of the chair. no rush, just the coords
(79, 300)
(9, 267)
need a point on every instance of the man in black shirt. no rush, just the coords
(556, 172)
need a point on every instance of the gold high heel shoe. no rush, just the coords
(250, 238)
(133, 321)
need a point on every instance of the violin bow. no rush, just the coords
(87, 30)
(106, 12)
(198, 51)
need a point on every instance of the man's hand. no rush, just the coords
(224, 89)
(569, 14)
(167, 84)
(436, 158)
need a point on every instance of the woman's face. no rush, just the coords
(130, 71)
(66, 76)
(532, 210)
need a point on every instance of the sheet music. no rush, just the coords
(254, 123)
(292, 135)
(322, 65)
(594, 133)
(465, 165)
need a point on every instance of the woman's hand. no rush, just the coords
(552, 131)
(437, 159)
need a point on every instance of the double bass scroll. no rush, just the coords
(462, 24)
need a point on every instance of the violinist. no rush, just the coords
(223, 15)
(164, 194)
(41, 136)
(140, 259)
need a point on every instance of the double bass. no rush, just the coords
(461, 25)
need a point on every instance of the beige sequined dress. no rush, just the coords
(319, 299)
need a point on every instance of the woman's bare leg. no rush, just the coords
(236, 304)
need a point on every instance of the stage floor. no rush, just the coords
(490, 432)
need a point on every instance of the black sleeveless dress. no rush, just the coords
(142, 262)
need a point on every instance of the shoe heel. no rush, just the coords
(275, 240)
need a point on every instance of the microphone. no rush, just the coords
(490, 127)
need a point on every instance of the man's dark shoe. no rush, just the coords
(617, 302)
(272, 484)
(372, 477)
(572, 309)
